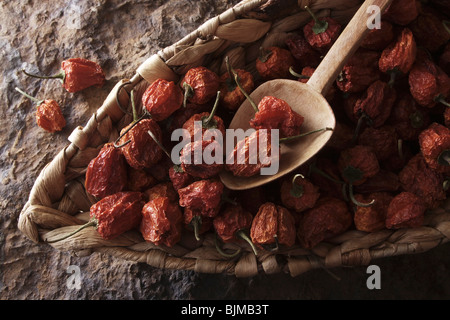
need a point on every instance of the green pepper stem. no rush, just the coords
(441, 99)
(244, 236)
(205, 122)
(286, 139)
(296, 74)
(223, 253)
(188, 92)
(159, 143)
(356, 202)
(195, 223)
(446, 23)
(359, 124)
(236, 79)
(297, 190)
(29, 97)
(91, 223)
(61, 75)
(319, 26)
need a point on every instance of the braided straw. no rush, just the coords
(58, 202)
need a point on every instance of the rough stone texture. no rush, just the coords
(120, 35)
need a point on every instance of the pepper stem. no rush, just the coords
(29, 97)
(359, 124)
(446, 23)
(241, 234)
(297, 190)
(286, 139)
(441, 99)
(188, 92)
(159, 143)
(320, 26)
(195, 223)
(236, 79)
(210, 118)
(356, 202)
(223, 253)
(91, 223)
(273, 248)
(313, 168)
(444, 158)
(296, 74)
(61, 75)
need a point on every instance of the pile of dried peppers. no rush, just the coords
(387, 163)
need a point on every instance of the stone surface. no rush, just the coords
(120, 35)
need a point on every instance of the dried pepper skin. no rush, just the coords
(192, 129)
(243, 168)
(233, 219)
(107, 173)
(142, 151)
(161, 222)
(373, 218)
(118, 213)
(359, 157)
(400, 55)
(139, 180)
(273, 224)
(384, 181)
(382, 140)
(231, 97)
(429, 30)
(162, 98)
(379, 39)
(179, 178)
(205, 223)
(330, 217)
(303, 53)
(81, 73)
(402, 12)
(427, 82)
(203, 195)
(162, 189)
(180, 116)
(324, 40)
(305, 199)
(201, 170)
(376, 103)
(418, 178)
(406, 210)
(433, 142)
(408, 118)
(204, 83)
(275, 63)
(49, 116)
(359, 72)
(275, 113)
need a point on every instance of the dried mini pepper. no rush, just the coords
(303, 53)
(194, 220)
(359, 72)
(77, 74)
(402, 12)
(274, 63)
(406, 210)
(113, 215)
(139, 180)
(435, 147)
(383, 140)
(378, 39)
(321, 33)
(272, 226)
(232, 225)
(418, 178)
(384, 181)
(298, 193)
(162, 98)
(162, 189)
(138, 147)
(179, 177)
(161, 222)
(106, 174)
(200, 85)
(206, 168)
(48, 114)
(399, 57)
(330, 217)
(428, 83)
(373, 218)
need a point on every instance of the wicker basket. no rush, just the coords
(58, 202)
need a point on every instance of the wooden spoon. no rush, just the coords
(307, 100)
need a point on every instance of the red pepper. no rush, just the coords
(379, 39)
(139, 148)
(330, 217)
(161, 222)
(204, 169)
(416, 177)
(399, 56)
(179, 177)
(162, 98)
(402, 12)
(200, 85)
(435, 147)
(106, 174)
(274, 63)
(384, 181)
(194, 220)
(113, 215)
(48, 114)
(406, 210)
(272, 226)
(359, 72)
(77, 74)
(321, 33)
(230, 95)
(382, 140)
(204, 195)
(139, 180)
(298, 193)
(179, 117)
(302, 51)
(373, 218)
(162, 189)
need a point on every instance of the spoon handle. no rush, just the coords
(347, 43)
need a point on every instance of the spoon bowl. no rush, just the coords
(307, 100)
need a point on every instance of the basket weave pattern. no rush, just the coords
(58, 202)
